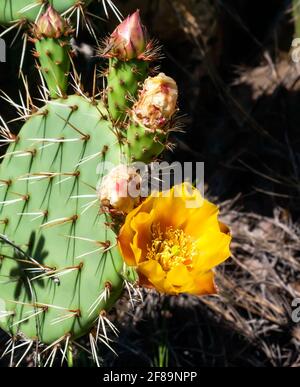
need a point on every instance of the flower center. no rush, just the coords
(171, 248)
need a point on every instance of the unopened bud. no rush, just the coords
(50, 25)
(129, 40)
(157, 102)
(120, 189)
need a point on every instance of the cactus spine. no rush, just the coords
(13, 10)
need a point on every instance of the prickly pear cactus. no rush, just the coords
(60, 267)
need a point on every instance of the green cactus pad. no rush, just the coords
(50, 214)
(12, 10)
(143, 144)
(55, 64)
(123, 80)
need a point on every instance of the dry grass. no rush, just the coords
(258, 286)
(248, 323)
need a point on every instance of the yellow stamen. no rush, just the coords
(171, 248)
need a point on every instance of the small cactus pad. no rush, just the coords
(59, 264)
(12, 10)
(55, 64)
(145, 144)
(123, 81)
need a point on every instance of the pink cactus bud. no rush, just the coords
(129, 40)
(157, 102)
(50, 25)
(120, 189)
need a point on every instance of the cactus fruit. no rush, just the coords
(60, 267)
(13, 10)
(50, 35)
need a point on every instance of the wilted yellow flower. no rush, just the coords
(157, 102)
(173, 246)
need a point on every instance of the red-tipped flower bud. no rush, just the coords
(129, 40)
(50, 25)
(157, 102)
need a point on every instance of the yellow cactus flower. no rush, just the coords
(175, 245)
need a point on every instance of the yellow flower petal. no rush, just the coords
(175, 241)
(214, 248)
(179, 275)
(141, 225)
(126, 234)
(155, 274)
(201, 219)
(171, 206)
(204, 285)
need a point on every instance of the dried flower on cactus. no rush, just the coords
(120, 189)
(157, 102)
(175, 248)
